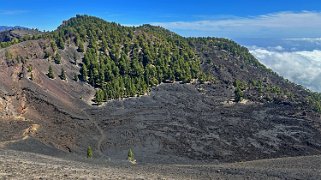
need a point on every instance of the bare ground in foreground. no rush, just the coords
(22, 165)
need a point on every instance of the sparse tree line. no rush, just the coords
(52, 75)
(264, 90)
(230, 47)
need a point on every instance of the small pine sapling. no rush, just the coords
(131, 157)
(89, 152)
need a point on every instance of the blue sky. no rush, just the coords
(48, 14)
(285, 35)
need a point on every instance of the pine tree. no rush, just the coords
(61, 43)
(58, 58)
(63, 74)
(81, 47)
(131, 155)
(89, 152)
(50, 73)
(84, 73)
(99, 96)
(238, 95)
(54, 46)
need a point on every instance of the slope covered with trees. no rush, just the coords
(127, 61)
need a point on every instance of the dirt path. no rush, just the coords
(101, 131)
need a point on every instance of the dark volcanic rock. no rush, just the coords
(177, 122)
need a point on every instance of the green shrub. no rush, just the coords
(238, 95)
(29, 68)
(89, 152)
(131, 155)
(58, 58)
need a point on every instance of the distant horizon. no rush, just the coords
(228, 19)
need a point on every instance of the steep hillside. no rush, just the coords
(171, 99)
(124, 61)
(232, 64)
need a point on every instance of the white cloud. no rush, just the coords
(301, 67)
(272, 48)
(311, 40)
(282, 24)
(278, 48)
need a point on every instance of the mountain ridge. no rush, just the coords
(3, 28)
(221, 113)
(7, 28)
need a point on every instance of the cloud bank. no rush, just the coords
(282, 24)
(301, 67)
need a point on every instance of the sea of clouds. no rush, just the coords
(287, 42)
(300, 66)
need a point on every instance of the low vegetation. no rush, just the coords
(315, 101)
(89, 152)
(131, 157)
